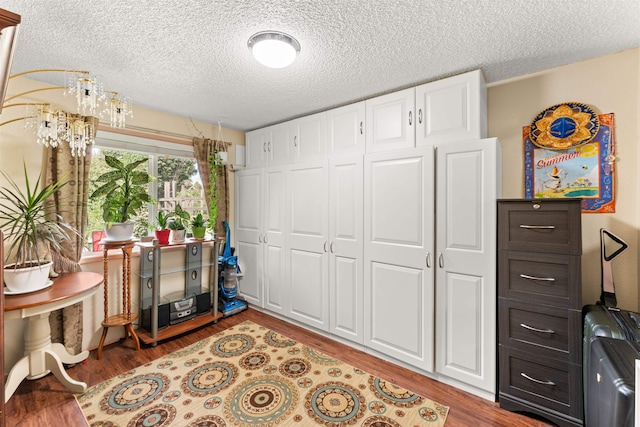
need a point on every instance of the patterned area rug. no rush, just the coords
(248, 375)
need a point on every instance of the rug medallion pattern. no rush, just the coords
(248, 375)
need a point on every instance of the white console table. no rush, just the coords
(41, 355)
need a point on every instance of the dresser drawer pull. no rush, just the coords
(543, 279)
(537, 381)
(538, 227)
(544, 331)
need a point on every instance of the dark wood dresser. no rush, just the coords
(539, 308)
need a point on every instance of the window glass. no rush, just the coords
(177, 181)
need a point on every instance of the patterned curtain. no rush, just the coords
(203, 149)
(71, 203)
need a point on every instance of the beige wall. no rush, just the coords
(610, 85)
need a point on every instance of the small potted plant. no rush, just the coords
(198, 226)
(124, 191)
(162, 230)
(31, 232)
(176, 225)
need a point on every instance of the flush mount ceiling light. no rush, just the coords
(274, 49)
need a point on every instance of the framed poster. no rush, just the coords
(585, 171)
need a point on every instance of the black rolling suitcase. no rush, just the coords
(611, 382)
(611, 342)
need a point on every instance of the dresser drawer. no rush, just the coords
(543, 381)
(541, 329)
(540, 278)
(540, 225)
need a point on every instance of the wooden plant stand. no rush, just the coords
(125, 317)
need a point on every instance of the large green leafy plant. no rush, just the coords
(28, 227)
(124, 189)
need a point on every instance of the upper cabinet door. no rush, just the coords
(279, 146)
(256, 148)
(345, 129)
(391, 121)
(452, 109)
(309, 142)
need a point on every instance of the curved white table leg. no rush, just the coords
(18, 373)
(65, 356)
(54, 364)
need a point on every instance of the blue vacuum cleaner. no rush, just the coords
(228, 301)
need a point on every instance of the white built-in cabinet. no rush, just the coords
(260, 236)
(375, 222)
(452, 109)
(398, 250)
(467, 183)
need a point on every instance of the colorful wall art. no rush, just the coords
(584, 170)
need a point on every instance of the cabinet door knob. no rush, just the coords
(264, 147)
(537, 381)
(325, 246)
(440, 260)
(361, 129)
(543, 331)
(331, 247)
(265, 239)
(295, 141)
(542, 279)
(259, 238)
(428, 260)
(410, 118)
(420, 116)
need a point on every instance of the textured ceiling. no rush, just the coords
(190, 58)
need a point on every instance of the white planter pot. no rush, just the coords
(178, 235)
(28, 279)
(119, 231)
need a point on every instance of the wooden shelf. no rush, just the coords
(119, 320)
(178, 328)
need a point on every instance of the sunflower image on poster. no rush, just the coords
(584, 170)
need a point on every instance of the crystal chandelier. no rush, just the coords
(53, 126)
(117, 108)
(87, 89)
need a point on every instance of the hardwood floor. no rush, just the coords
(45, 402)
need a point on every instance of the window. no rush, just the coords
(173, 165)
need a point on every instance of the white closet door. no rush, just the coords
(308, 245)
(467, 188)
(399, 293)
(248, 234)
(275, 293)
(345, 248)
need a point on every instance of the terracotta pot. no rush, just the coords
(163, 236)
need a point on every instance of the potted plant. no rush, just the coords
(124, 190)
(176, 225)
(31, 232)
(162, 230)
(198, 226)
